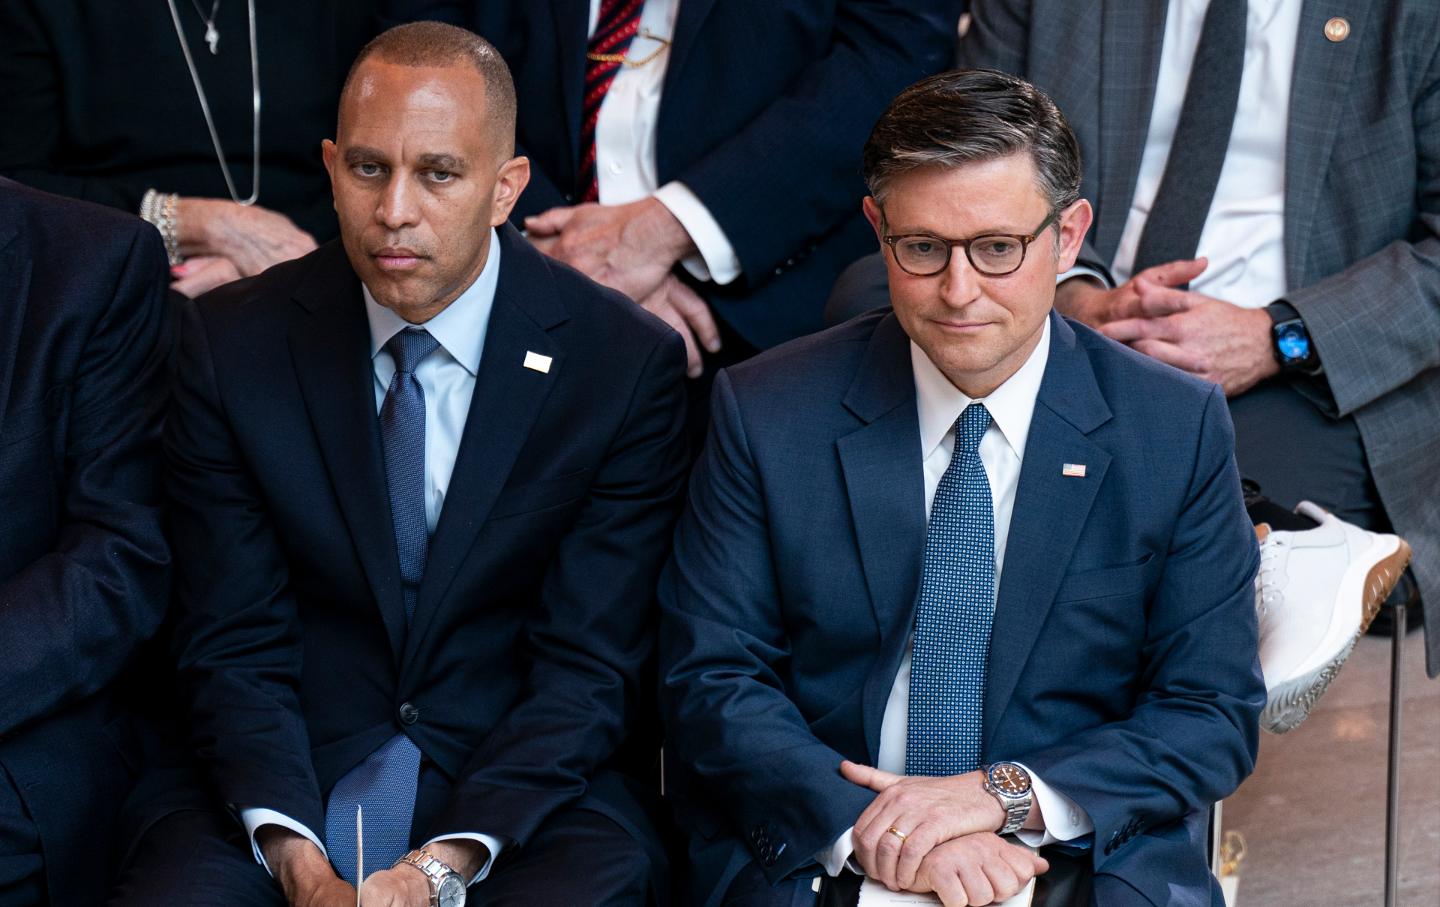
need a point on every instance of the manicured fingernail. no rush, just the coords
(179, 270)
(713, 346)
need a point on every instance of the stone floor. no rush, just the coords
(1313, 814)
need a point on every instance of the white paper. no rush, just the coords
(874, 894)
(359, 851)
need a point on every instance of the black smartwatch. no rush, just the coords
(1291, 342)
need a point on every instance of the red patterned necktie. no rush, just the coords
(616, 27)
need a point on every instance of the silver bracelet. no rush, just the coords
(161, 211)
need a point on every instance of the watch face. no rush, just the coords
(1293, 344)
(452, 891)
(1010, 779)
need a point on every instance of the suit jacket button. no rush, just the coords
(409, 714)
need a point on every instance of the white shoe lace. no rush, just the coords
(1268, 591)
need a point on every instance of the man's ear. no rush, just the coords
(1074, 224)
(327, 154)
(873, 215)
(512, 179)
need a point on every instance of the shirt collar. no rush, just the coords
(1011, 404)
(460, 327)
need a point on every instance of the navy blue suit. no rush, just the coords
(765, 107)
(523, 671)
(1122, 666)
(84, 568)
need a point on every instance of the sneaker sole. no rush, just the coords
(1291, 702)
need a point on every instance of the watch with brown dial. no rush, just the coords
(1010, 784)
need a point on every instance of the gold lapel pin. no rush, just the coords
(1337, 29)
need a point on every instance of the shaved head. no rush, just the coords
(438, 45)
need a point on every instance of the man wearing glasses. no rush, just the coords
(962, 570)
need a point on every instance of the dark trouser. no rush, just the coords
(1294, 452)
(22, 871)
(203, 859)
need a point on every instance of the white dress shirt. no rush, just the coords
(447, 377)
(625, 145)
(1244, 234)
(1002, 449)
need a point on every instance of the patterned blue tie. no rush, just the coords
(385, 782)
(957, 606)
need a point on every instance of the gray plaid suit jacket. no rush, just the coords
(1362, 203)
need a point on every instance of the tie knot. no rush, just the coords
(970, 428)
(410, 347)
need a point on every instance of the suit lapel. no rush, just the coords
(1050, 512)
(1133, 35)
(506, 402)
(1317, 96)
(687, 36)
(15, 268)
(330, 346)
(572, 20)
(886, 488)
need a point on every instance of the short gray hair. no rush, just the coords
(970, 115)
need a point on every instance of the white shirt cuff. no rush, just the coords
(255, 818)
(1064, 820)
(492, 844)
(1083, 271)
(717, 260)
(837, 856)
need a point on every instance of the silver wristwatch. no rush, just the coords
(1010, 784)
(447, 889)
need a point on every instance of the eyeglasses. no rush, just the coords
(994, 254)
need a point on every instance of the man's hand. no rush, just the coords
(251, 237)
(406, 886)
(630, 248)
(683, 309)
(398, 886)
(927, 811)
(1087, 301)
(977, 869)
(304, 874)
(1208, 337)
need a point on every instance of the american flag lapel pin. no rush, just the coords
(1073, 470)
(536, 362)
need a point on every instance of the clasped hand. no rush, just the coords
(946, 842)
(1208, 337)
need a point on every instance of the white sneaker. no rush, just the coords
(1317, 591)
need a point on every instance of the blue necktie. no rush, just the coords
(385, 782)
(953, 618)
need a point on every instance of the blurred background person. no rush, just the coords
(204, 116)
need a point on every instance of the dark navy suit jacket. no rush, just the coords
(1122, 666)
(523, 671)
(84, 568)
(765, 108)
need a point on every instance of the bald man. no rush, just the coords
(423, 480)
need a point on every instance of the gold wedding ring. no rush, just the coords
(897, 833)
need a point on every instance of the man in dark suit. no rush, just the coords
(84, 568)
(1065, 649)
(700, 156)
(445, 614)
(1260, 228)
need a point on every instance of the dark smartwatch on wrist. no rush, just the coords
(1290, 340)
